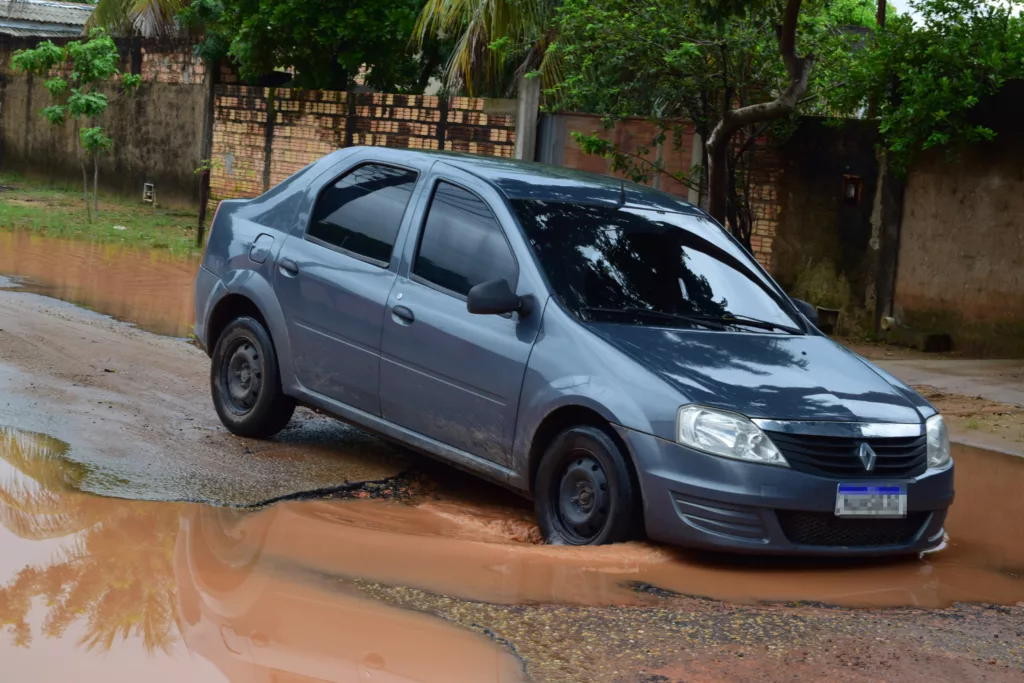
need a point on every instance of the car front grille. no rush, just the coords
(831, 456)
(825, 529)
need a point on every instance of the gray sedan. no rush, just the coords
(604, 348)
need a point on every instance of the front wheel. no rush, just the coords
(585, 492)
(246, 383)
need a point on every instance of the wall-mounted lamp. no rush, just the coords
(851, 189)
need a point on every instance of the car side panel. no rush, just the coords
(572, 367)
(237, 226)
(334, 305)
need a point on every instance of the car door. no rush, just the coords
(445, 373)
(333, 281)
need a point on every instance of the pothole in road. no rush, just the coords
(450, 534)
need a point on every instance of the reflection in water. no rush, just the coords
(114, 574)
(150, 288)
(278, 595)
(157, 573)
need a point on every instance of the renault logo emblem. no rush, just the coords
(867, 456)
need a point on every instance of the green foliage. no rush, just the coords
(683, 64)
(87, 64)
(57, 212)
(928, 77)
(94, 140)
(88, 104)
(661, 59)
(494, 40)
(39, 60)
(137, 17)
(55, 114)
(327, 42)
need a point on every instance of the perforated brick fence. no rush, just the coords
(261, 136)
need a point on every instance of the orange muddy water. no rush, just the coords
(98, 589)
(147, 287)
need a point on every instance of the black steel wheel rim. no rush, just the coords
(582, 502)
(242, 375)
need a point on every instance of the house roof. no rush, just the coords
(43, 18)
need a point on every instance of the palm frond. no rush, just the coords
(523, 25)
(149, 18)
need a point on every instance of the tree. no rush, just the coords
(496, 40)
(80, 67)
(732, 72)
(929, 76)
(328, 43)
(137, 17)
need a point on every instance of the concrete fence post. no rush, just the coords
(527, 116)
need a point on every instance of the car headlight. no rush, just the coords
(726, 434)
(938, 441)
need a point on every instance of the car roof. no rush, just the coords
(544, 182)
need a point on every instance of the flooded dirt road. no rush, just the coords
(150, 288)
(136, 410)
(442, 580)
(449, 588)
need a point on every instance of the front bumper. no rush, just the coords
(699, 500)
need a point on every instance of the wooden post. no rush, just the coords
(209, 111)
(527, 116)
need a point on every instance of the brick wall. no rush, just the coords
(180, 64)
(306, 125)
(764, 207)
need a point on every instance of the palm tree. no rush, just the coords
(148, 18)
(496, 40)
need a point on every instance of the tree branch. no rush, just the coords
(657, 169)
(749, 142)
(798, 68)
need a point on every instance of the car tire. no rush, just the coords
(585, 492)
(246, 382)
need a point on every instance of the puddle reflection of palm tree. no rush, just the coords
(116, 575)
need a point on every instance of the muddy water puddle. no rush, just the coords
(98, 589)
(171, 592)
(150, 288)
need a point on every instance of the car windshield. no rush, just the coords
(646, 267)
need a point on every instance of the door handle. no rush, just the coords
(402, 315)
(288, 267)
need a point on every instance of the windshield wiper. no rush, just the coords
(712, 321)
(733, 319)
(706, 321)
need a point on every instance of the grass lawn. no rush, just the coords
(60, 212)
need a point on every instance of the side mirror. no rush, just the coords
(496, 298)
(808, 311)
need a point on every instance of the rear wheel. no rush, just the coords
(246, 382)
(584, 492)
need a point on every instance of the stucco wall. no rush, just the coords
(816, 223)
(157, 133)
(961, 258)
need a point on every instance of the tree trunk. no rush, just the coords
(85, 190)
(718, 181)
(720, 141)
(96, 185)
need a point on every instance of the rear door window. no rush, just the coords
(361, 212)
(463, 244)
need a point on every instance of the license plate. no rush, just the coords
(859, 500)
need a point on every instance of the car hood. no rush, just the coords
(791, 377)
